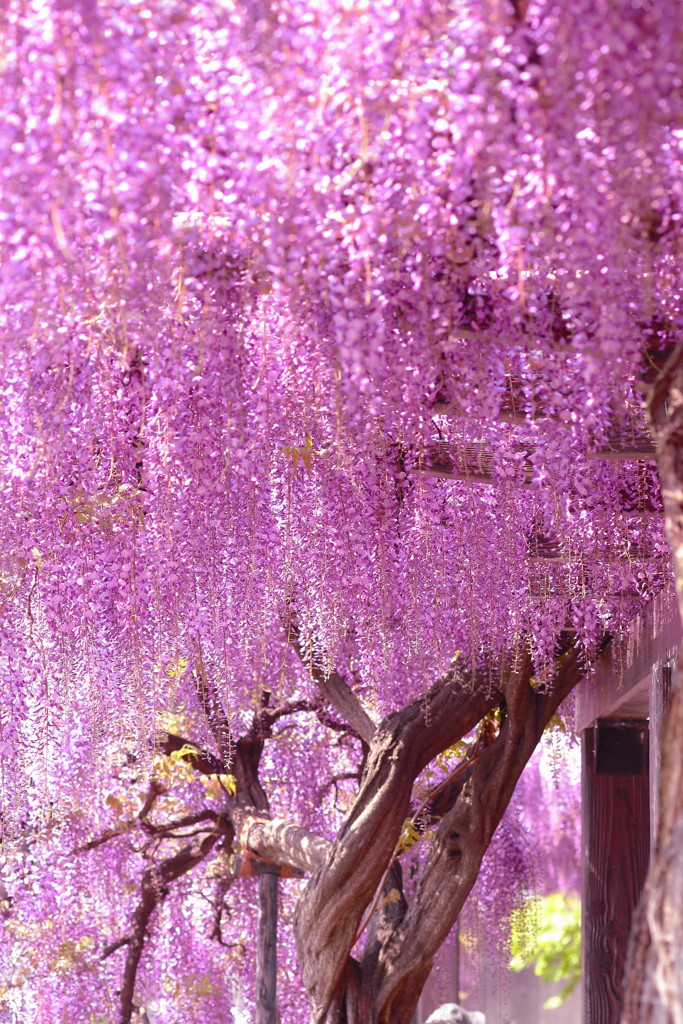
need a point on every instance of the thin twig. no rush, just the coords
(113, 946)
(206, 814)
(215, 713)
(153, 889)
(332, 686)
(184, 835)
(201, 760)
(112, 833)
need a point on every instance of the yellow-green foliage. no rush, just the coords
(546, 933)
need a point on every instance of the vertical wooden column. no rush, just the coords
(660, 698)
(266, 948)
(616, 847)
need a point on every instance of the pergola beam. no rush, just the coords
(619, 683)
(636, 454)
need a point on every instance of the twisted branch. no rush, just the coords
(154, 888)
(333, 687)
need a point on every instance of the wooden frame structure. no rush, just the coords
(619, 712)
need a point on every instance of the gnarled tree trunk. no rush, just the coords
(365, 957)
(382, 984)
(654, 991)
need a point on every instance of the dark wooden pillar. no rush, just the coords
(616, 848)
(660, 698)
(266, 948)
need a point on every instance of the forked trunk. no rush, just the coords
(359, 872)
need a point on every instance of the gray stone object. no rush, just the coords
(451, 1013)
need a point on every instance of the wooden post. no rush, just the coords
(660, 699)
(616, 846)
(266, 949)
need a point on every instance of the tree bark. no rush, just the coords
(462, 839)
(384, 987)
(654, 984)
(330, 911)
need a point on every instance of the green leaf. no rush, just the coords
(393, 896)
(229, 782)
(187, 750)
(546, 933)
(409, 836)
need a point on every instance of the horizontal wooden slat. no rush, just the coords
(624, 454)
(449, 474)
